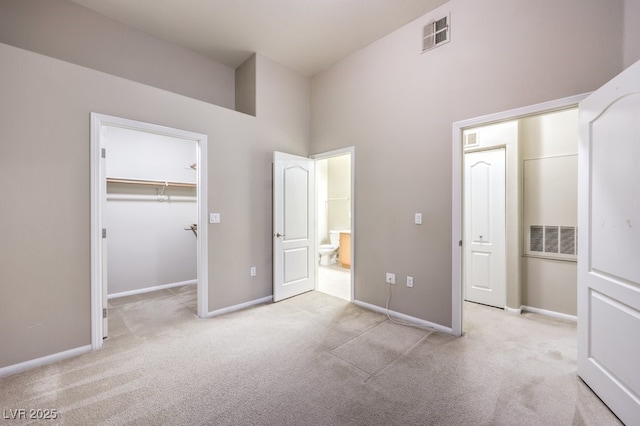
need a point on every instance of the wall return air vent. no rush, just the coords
(435, 33)
(553, 241)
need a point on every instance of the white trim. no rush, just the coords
(403, 317)
(336, 153)
(240, 306)
(150, 289)
(515, 311)
(552, 314)
(38, 362)
(98, 121)
(97, 174)
(456, 203)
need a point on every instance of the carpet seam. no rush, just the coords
(399, 356)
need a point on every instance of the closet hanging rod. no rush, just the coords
(151, 182)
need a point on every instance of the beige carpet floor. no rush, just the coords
(311, 360)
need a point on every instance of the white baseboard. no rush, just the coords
(150, 289)
(513, 310)
(552, 314)
(404, 317)
(244, 305)
(38, 362)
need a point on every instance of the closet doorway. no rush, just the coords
(334, 223)
(148, 213)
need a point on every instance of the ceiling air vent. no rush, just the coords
(435, 33)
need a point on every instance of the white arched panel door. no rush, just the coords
(609, 244)
(484, 228)
(293, 225)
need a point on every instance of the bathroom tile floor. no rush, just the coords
(335, 281)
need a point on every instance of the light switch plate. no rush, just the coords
(214, 217)
(418, 219)
(409, 281)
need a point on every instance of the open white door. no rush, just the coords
(485, 265)
(609, 244)
(293, 225)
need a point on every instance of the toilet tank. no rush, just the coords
(334, 238)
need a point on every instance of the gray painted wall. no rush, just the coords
(245, 76)
(548, 283)
(73, 33)
(44, 150)
(631, 46)
(396, 106)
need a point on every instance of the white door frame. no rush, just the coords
(98, 122)
(457, 188)
(336, 153)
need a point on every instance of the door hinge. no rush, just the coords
(104, 232)
(104, 312)
(460, 243)
(104, 152)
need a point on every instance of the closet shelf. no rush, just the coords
(151, 182)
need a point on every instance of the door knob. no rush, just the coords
(279, 235)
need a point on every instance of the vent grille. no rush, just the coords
(471, 139)
(554, 240)
(567, 240)
(550, 239)
(536, 242)
(435, 33)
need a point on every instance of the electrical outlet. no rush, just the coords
(253, 271)
(409, 281)
(391, 278)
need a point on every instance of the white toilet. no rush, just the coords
(329, 252)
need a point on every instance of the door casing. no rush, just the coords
(98, 188)
(457, 281)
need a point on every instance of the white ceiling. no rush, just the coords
(305, 35)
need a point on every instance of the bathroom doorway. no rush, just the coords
(334, 223)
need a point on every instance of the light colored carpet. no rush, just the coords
(312, 360)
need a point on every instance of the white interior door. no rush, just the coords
(609, 244)
(293, 225)
(484, 227)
